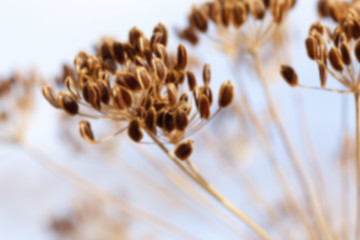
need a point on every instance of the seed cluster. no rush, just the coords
(235, 13)
(137, 82)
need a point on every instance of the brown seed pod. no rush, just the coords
(289, 75)
(184, 150)
(239, 14)
(88, 92)
(163, 33)
(161, 52)
(143, 77)
(159, 68)
(68, 103)
(311, 47)
(322, 74)
(104, 92)
(226, 94)
(226, 14)
(189, 35)
(181, 120)
(199, 19)
(181, 57)
(95, 101)
(122, 97)
(357, 50)
(345, 53)
(204, 107)
(50, 96)
(335, 59)
(168, 121)
(150, 119)
(71, 87)
(191, 80)
(206, 74)
(172, 94)
(86, 132)
(257, 9)
(105, 50)
(119, 53)
(206, 90)
(134, 130)
(131, 82)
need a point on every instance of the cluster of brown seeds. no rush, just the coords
(332, 8)
(226, 13)
(336, 52)
(138, 83)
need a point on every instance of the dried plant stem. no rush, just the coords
(297, 165)
(357, 236)
(279, 174)
(178, 181)
(102, 194)
(211, 190)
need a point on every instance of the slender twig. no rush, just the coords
(296, 163)
(211, 190)
(357, 236)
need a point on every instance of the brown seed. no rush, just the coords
(172, 94)
(104, 92)
(160, 69)
(184, 150)
(160, 28)
(181, 120)
(160, 118)
(88, 92)
(199, 19)
(345, 53)
(132, 82)
(335, 59)
(322, 73)
(181, 57)
(134, 130)
(289, 75)
(150, 119)
(357, 50)
(68, 103)
(206, 74)
(191, 80)
(206, 90)
(226, 14)
(86, 132)
(143, 77)
(105, 50)
(356, 29)
(71, 86)
(311, 47)
(226, 94)
(122, 97)
(161, 52)
(95, 101)
(168, 121)
(239, 14)
(189, 35)
(134, 36)
(257, 9)
(50, 96)
(119, 53)
(204, 107)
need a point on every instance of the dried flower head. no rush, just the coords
(234, 21)
(337, 52)
(137, 83)
(16, 104)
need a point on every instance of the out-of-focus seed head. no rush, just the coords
(289, 75)
(199, 19)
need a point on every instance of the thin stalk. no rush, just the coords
(357, 236)
(296, 163)
(211, 190)
(101, 194)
